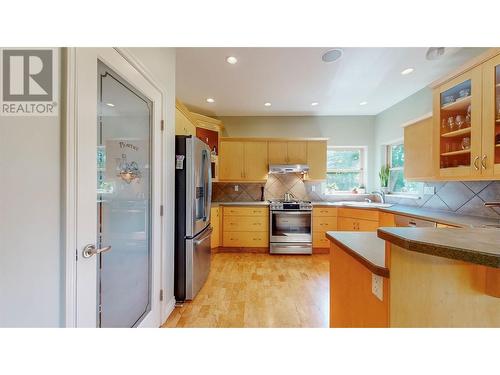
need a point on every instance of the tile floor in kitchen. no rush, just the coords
(260, 290)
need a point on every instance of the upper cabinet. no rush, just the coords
(248, 159)
(457, 126)
(490, 158)
(419, 164)
(316, 159)
(287, 152)
(467, 123)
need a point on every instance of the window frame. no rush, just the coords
(361, 170)
(388, 154)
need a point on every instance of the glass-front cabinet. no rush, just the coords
(458, 126)
(490, 158)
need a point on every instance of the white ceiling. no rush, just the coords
(292, 78)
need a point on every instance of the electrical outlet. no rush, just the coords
(378, 286)
(429, 190)
(313, 188)
(236, 188)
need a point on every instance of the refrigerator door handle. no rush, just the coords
(207, 234)
(208, 202)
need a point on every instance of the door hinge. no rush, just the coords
(161, 210)
(161, 294)
(162, 125)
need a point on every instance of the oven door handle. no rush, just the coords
(292, 212)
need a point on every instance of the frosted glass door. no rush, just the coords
(123, 202)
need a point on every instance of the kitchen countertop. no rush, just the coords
(473, 245)
(365, 247)
(443, 217)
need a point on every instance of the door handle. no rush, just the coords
(483, 161)
(91, 250)
(476, 159)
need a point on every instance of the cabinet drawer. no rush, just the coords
(358, 225)
(325, 211)
(245, 239)
(246, 223)
(246, 211)
(359, 213)
(320, 240)
(324, 223)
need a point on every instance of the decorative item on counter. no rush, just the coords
(384, 178)
(361, 189)
(464, 93)
(354, 191)
(466, 143)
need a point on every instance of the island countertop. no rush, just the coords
(365, 247)
(474, 245)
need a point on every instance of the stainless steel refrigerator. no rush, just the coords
(193, 196)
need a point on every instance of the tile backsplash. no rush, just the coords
(274, 188)
(461, 197)
(465, 197)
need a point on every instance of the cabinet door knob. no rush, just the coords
(476, 159)
(483, 161)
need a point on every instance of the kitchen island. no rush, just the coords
(434, 277)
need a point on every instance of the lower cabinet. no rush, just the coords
(362, 220)
(324, 220)
(214, 221)
(245, 227)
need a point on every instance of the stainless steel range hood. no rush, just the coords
(288, 168)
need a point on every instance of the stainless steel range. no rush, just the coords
(290, 227)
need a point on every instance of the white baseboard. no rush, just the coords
(169, 307)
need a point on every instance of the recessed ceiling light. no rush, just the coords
(314, 104)
(210, 100)
(407, 71)
(332, 55)
(231, 60)
(110, 104)
(267, 104)
(363, 103)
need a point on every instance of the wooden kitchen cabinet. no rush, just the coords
(418, 146)
(475, 96)
(352, 219)
(316, 159)
(245, 227)
(287, 152)
(324, 219)
(255, 165)
(278, 152)
(297, 152)
(490, 146)
(243, 161)
(214, 221)
(231, 161)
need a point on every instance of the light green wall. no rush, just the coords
(340, 130)
(388, 123)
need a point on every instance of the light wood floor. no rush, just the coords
(260, 290)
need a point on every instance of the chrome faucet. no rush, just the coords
(368, 200)
(380, 195)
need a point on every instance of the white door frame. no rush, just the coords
(70, 188)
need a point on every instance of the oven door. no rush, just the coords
(290, 226)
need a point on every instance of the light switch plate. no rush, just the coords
(429, 190)
(236, 187)
(378, 286)
(313, 188)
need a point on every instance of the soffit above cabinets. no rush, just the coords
(291, 79)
